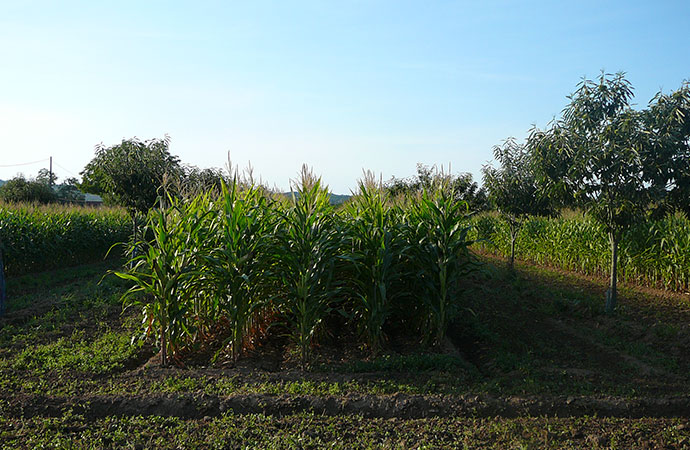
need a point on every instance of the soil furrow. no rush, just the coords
(396, 406)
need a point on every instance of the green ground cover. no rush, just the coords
(536, 340)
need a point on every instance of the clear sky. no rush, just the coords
(341, 86)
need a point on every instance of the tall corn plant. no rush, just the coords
(165, 272)
(374, 234)
(307, 243)
(438, 246)
(237, 266)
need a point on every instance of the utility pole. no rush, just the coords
(50, 178)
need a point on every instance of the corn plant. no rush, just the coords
(165, 273)
(652, 252)
(374, 234)
(39, 238)
(236, 266)
(305, 253)
(438, 245)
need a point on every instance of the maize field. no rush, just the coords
(653, 253)
(246, 256)
(36, 238)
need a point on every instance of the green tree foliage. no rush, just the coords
(462, 186)
(19, 189)
(513, 190)
(668, 126)
(132, 173)
(595, 157)
(47, 177)
(196, 181)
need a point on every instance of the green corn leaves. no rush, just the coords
(36, 238)
(373, 230)
(438, 244)
(652, 252)
(307, 243)
(228, 263)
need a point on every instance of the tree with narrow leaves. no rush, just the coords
(668, 151)
(131, 174)
(512, 189)
(595, 157)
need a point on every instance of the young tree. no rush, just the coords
(131, 173)
(595, 156)
(198, 180)
(512, 189)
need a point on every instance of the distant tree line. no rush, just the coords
(42, 189)
(462, 186)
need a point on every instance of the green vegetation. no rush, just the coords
(21, 190)
(248, 260)
(513, 191)
(314, 431)
(653, 252)
(70, 377)
(616, 163)
(104, 354)
(294, 316)
(131, 173)
(305, 257)
(374, 233)
(36, 238)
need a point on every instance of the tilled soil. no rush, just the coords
(402, 406)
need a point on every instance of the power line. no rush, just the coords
(24, 164)
(66, 170)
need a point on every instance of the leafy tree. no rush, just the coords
(196, 180)
(461, 185)
(595, 157)
(47, 177)
(513, 190)
(668, 124)
(19, 189)
(131, 173)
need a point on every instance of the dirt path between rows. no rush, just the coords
(605, 352)
(395, 406)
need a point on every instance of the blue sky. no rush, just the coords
(341, 86)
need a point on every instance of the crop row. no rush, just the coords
(36, 238)
(246, 259)
(653, 252)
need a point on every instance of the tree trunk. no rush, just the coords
(612, 293)
(513, 237)
(134, 239)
